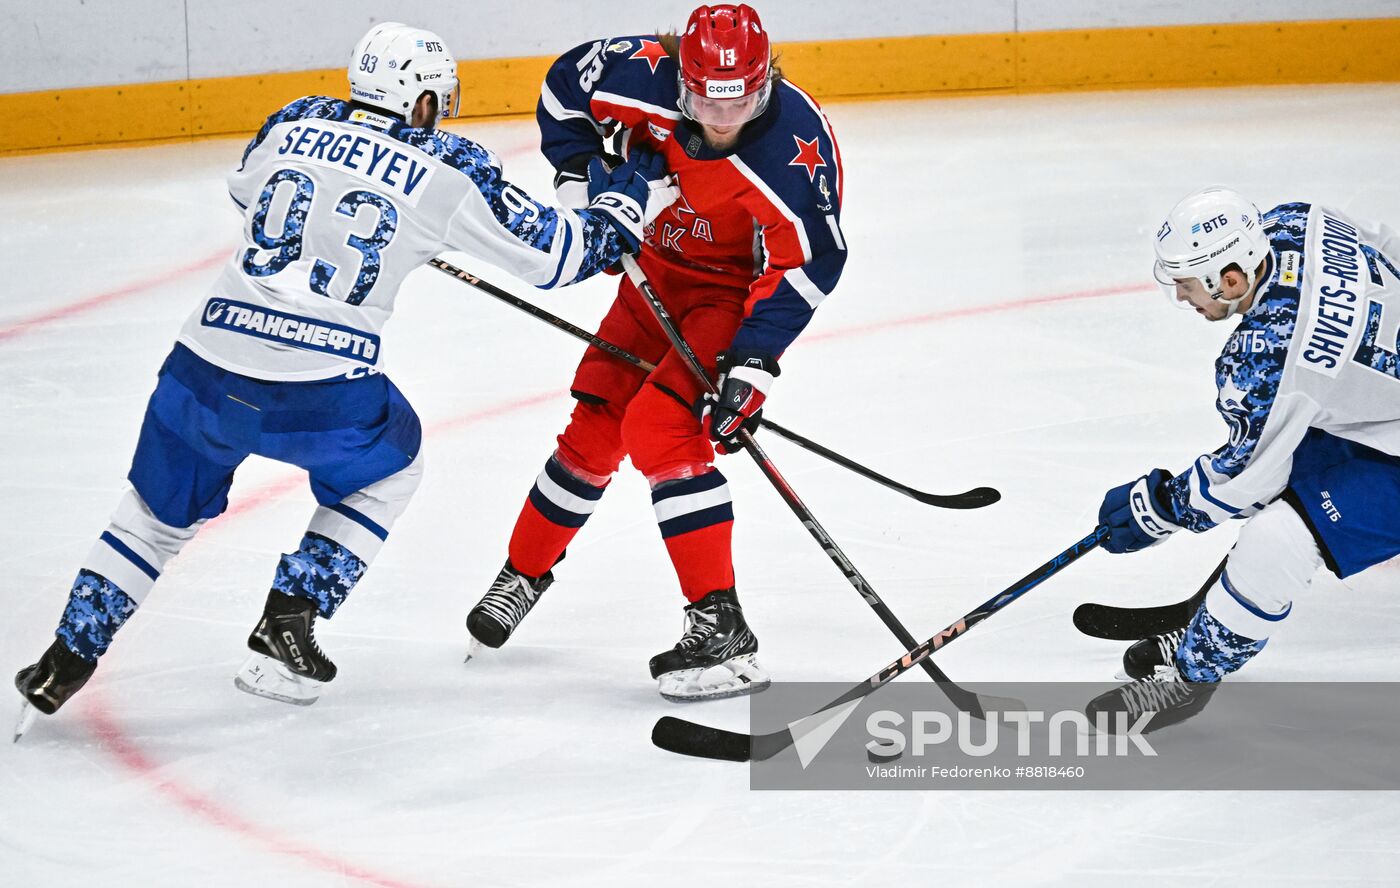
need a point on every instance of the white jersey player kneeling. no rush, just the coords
(341, 200)
(1309, 386)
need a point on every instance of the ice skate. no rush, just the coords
(49, 683)
(715, 658)
(286, 665)
(1143, 657)
(1164, 692)
(504, 605)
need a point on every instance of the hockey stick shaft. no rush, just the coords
(964, 699)
(689, 738)
(971, 499)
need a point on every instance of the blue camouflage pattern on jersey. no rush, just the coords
(96, 610)
(1246, 377)
(533, 223)
(320, 569)
(1210, 651)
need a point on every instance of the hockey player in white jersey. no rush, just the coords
(283, 359)
(1309, 387)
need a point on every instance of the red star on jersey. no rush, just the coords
(808, 156)
(651, 51)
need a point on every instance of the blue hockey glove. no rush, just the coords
(1135, 513)
(744, 379)
(632, 195)
(571, 178)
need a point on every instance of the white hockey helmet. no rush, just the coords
(1206, 232)
(394, 64)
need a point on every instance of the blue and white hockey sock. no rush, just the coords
(117, 574)
(321, 570)
(1216, 642)
(96, 610)
(1273, 561)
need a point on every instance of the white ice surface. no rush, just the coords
(933, 362)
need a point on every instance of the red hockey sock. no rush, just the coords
(702, 560)
(696, 519)
(558, 505)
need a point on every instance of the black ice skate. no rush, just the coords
(1143, 657)
(49, 683)
(504, 605)
(1165, 693)
(287, 665)
(716, 657)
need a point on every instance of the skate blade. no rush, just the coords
(262, 676)
(734, 677)
(474, 648)
(27, 716)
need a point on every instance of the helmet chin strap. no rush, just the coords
(1232, 306)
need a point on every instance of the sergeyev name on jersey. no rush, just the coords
(341, 200)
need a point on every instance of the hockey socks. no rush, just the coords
(1273, 561)
(1215, 644)
(558, 506)
(321, 570)
(96, 610)
(696, 518)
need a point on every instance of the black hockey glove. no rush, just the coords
(745, 375)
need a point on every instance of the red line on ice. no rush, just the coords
(125, 750)
(975, 310)
(19, 328)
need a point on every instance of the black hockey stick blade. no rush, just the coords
(702, 741)
(977, 498)
(971, 499)
(1132, 623)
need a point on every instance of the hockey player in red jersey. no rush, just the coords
(741, 261)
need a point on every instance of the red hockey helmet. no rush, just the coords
(725, 76)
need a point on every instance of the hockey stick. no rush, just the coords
(1133, 623)
(688, 738)
(964, 699)
(971, 499)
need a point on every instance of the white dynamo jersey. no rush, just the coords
(1320, 348)
(340, 205)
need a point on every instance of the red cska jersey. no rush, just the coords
(764, 214)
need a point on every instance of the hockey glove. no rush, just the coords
(571, 179)
(1136, 513)
(744, 379)
(632, 195)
